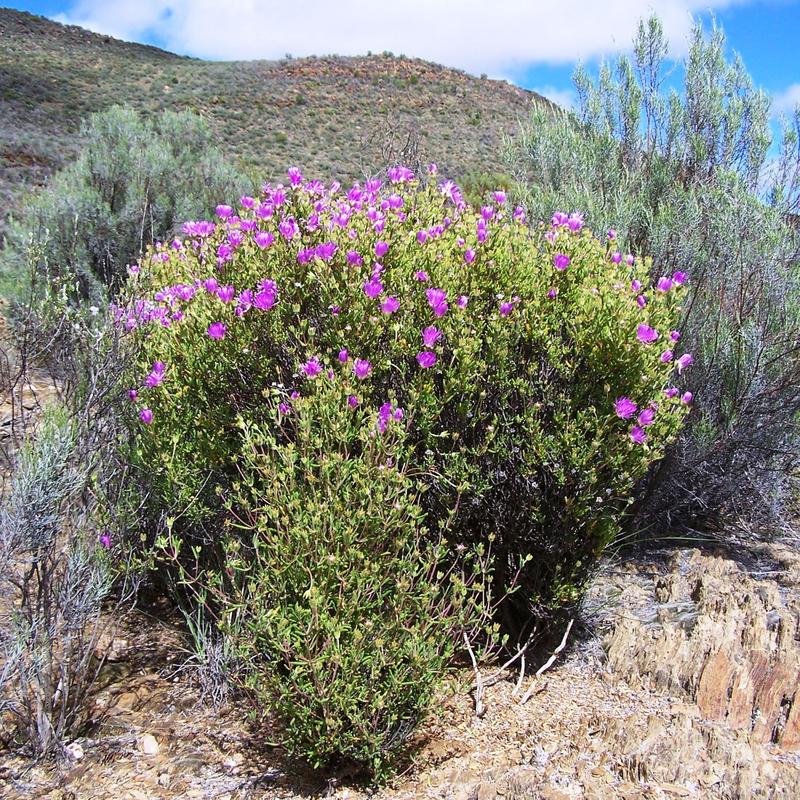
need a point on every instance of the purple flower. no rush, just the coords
(311, 368)
(671, 392)
(560, 261)
(295, 176)
(629, 260)
(499, 197)
(354, 258)
(432, 169)
(506, 309)
(211, 285)
(437, 299)
(469, 256)
(361, 368)
(635, 285)
(420, 275)
(674, 336)
(264, 239)
(422, 237)
(226, 293)
(146, 416)
(105, 541)
(679, 278)
(575, 221)
(666, 356)
(612, 234)
(325, 251)
(616, 257)
(247, 202)
(156, 376)
(638, 435)
(686, 398)
(217, 330)
(664, 284)
(462, 301)
(224, 211)
(647, 417)
(265, 299)
(641, 301)
(288, 228)
(373, 288)
(284, 409)
(132, 395)
(390, 305)
(430, 335)
(684, 361)
(552, 294)
(352, 401)
(426, 359)
(381, 248)
(624, 407)
(343, 356)
(519, 214)
(336, 310)
(645, 334)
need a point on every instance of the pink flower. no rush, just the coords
(686, 398)
(224, 211)
(612, 234)
(217, 330)
(352, 401)
(430, 335)
(105, 541)
(641, 301)
(437, 299)
(311, 368)
(647, 417)
(462, 301)
(146, 416)
(426, 359)
(390, 305)
(381, 248)
(132, 395)
(645, 334)
(373, 288)
(674, 336)
(506, 309)
(671, 392)
(624, 407)
(552, 294)
(684, 361)
(469, 255)
(616, 257)
(343, 356)
(422, 237)
(666, 356)
(560, 261)
(638, 435)
(680, 278)
(422, 276)
(664, 284)
(361, 368)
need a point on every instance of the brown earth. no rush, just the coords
(681, 681)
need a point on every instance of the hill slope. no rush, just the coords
(330, 116)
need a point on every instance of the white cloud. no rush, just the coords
(565, 98)
(500, 37)
(786, 101)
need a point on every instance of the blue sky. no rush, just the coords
(532, 43)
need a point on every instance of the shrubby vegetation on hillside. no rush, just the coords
(135, 181)
(686, 178)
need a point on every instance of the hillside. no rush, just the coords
(332, 116)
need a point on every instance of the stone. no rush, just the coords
(74, 751)
(147, 744)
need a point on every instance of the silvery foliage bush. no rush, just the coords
(686, 178)
(57, 579)
(62, 522)
(134, 181)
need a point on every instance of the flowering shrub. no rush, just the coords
(529, 370)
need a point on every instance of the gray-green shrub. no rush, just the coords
(685, 178)
(135, 180)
